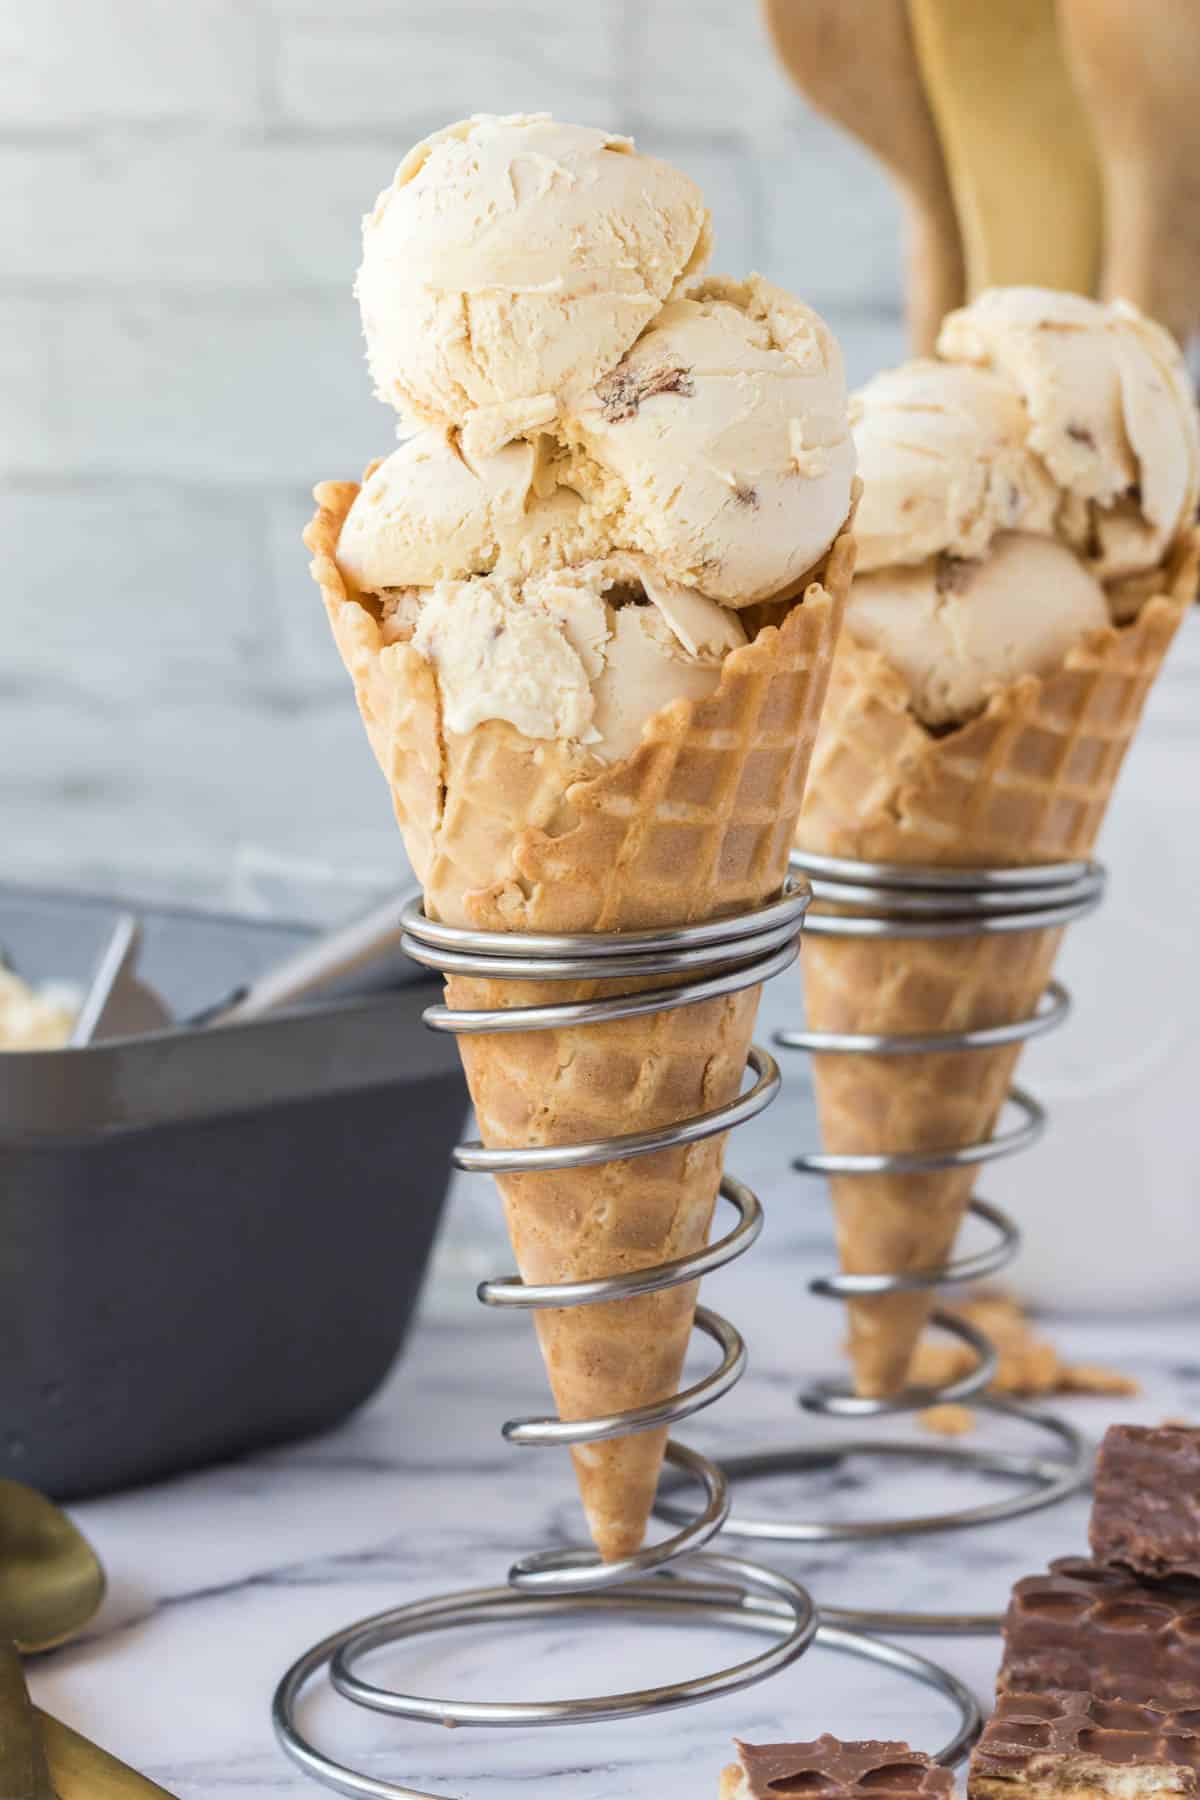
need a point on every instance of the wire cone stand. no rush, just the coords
(892, 902)
(677, 1580)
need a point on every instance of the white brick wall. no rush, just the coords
(187, 212)
(180, 190)
(69, 65)
(244, 386)
(101, 599)
(366, 64)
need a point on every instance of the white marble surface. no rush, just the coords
(218, 1580)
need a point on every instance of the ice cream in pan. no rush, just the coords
(1027, 548)
(589, 608)
(34, 1018)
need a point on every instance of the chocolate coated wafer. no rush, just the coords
(834, 1770)
(1085, 1628)
(1076, 1747)
(1146, 1510)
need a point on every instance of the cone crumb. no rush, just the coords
(1093, 1378)
(1027, 1366)
(947, 1421)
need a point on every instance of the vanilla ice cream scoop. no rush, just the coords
(514, 258)
(669, 649)
(719, 443)
(1111, 414)
(581, 653)
(526, 656)
(428, 513)
(959, 630)
(945, 464)
(33, 1018)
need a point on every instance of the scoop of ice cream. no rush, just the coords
(512, 258)
(528, 657)
(958, 630)
(585, 653)
(32, 1018)
(1111, 414)
(428, 513)
(670, 649)
(720, 441)
(945, 464)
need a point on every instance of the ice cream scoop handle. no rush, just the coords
(331, 958)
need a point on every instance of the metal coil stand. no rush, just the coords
(702, 962)
(880, 900)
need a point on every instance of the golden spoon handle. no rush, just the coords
(23, 1771)
(83, 1771)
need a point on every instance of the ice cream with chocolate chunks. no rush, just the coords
(514, 259)
(719, 444)
(620, 454)
(589, 608)
(1017, 493)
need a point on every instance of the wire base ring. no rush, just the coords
(737, 1593)
(1052, 1478)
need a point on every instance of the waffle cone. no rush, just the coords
(1028, 781)
(512, 833)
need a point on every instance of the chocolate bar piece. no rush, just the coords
(834, 1770)
(1085, 1628)
(1146, 1511)
(1076, 1747)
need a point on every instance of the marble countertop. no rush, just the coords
(220, 1579)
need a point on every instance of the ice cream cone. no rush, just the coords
(1025, 782)
(512, 833)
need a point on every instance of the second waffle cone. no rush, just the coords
(1026, 782)
(697, 823)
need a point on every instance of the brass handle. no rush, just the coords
(23, 1771)
(83, 1771)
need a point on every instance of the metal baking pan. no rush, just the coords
(209, 1241)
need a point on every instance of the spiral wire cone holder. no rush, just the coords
(882, 900)
(703, 962)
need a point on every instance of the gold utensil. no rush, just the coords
(1016, 140)
(23, 1771)
(1137, 69)
(51, 1582)
(855, 61)
(51, 1586)
(83, 1771)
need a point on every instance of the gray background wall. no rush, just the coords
(180, 193)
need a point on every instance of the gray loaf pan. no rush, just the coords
(209, 1241)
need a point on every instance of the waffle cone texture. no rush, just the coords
(1028, 781)
(509, 833)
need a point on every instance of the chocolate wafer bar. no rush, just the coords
(1085, 1628)
(1076, 1747)
(835, 1770)
(1146, 1510)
